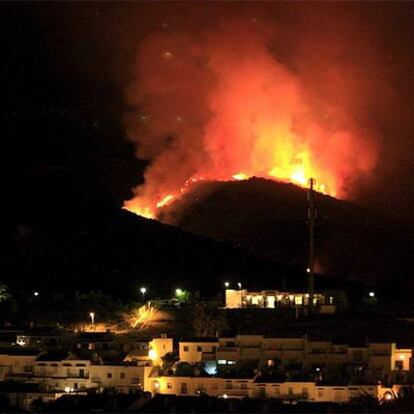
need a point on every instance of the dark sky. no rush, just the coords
(65, 68)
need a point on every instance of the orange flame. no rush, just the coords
(216, 112)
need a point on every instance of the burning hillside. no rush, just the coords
(218, 101)
(269, 220)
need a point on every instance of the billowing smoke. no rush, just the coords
(244, 93)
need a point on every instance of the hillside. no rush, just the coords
(269, 219)
(111, 250)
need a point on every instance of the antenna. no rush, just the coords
(311, 218)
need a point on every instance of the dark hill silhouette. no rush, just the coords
(269, 219)
(108, 249)
(64, 233)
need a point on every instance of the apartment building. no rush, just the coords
(17, 364)
(158, 348)
(71, 374)
(197, 349)
(124, 378)
(262, 389)
(214, 386)
(273, 299)
(62, 371)
(375, 361)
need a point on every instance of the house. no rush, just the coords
(274, 299)
(262, 388)
(17, 363)
(191, 386)
(43, 338)
(125, 378)
(61, 371)
(24, 395)
(197, 349)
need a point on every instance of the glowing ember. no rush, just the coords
(165, 201)
(240, 176)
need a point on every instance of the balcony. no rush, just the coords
(294, 397)
(57, 376)
(233, 391)
(228, 353)
(18, 376)
(83, 376)
(208, 356)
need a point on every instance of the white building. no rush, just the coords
(123, 378)
(254, 388)
(62, 371)
(198, 349)
(17, 364)
(374, 361)
(272, 299)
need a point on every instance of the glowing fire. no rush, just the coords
(165, 201)
(240, 176)
(206, 110)
(298, 177)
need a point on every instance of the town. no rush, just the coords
(41, 367)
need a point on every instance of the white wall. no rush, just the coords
(192, 352)
(123, 378)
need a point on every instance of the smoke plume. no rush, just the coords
(224, 93)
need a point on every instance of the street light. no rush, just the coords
(226, 284)
(143, 291)
(371, 294)
(92, 316)
(35, 293)
(178, 292)
(152, 354)
(240, 288)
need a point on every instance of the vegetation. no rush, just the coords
(4, 292)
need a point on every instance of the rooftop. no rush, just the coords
(56, 356)
(19, 351)
(200, 339)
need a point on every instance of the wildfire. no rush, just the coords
(206, 110)
(298, 176)
(240, 176)
(165, 201)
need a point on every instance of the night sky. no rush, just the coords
(66, 69)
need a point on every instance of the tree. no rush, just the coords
(4, 292)
(168, 360)
(208, 319)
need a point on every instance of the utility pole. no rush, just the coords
(311, 218)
